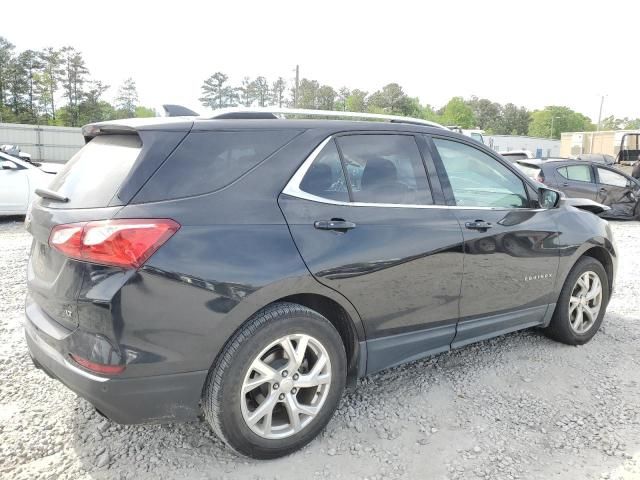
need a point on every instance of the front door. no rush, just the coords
(617, 191)
(511, 256)
(381, 240)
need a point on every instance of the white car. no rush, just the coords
(18, 181)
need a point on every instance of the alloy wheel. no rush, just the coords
(585, 302)
(285, 386)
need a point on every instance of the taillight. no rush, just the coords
(124, 243)
(540, 177)
(97, 367)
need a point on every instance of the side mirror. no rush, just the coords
(8, 165)
(548, 198)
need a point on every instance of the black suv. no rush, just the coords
(250, 269)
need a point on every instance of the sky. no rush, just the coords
(532, 54)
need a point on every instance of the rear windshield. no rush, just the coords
(93, 175)
(529, 170)
(208, 161)
(513, 157)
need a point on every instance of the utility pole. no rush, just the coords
(295, 92)
(552, 119)
(593, 135)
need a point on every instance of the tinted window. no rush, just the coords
(325, 177)
(207, 161)
(478, 180)
(385, 169)
(608, 177)
(578, 173)
(93, 175)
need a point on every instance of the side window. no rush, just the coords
(325, 177)
(385, 169)
(608, 177)
(478, 180)
(577, 173)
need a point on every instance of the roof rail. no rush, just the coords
(278, 112)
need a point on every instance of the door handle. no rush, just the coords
(602, 189)
(565, 184)
(334, 224)
(478, 225)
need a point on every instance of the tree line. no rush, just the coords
(492, 117)
(53, 86)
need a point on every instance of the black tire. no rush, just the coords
(560, 327)
(222, 392)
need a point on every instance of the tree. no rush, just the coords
(563, 119)
(74, 77)
(261, 87)
(486, 113)
(457, 112)
(514, 121)
(246, 92)
(145, 112)
(127, 98)
(31, 65)
(92, 108)
(17, 89)
(343, 94)
(216, 93)
(308, 93)
(325, 97)
(6, 56)
(356, 101)
(49, 79)
(391, 99)
(631, 124)
(277, 91)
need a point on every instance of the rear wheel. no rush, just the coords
(582, 303)
(277, 382)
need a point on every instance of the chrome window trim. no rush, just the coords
(293, 190)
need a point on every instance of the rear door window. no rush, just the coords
(208, 161)
(385, 169)
(93, 175)
(576, 173)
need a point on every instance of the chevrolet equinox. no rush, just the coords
(249, 267)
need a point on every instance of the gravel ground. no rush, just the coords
(519, 406)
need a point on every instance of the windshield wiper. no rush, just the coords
(51, 195)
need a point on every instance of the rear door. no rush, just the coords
(576, 181)
(382, 238)
(511, 256)
(617, 191)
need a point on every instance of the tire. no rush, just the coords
(229, 411)
(563, 326)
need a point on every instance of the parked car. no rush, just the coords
(15, 151)
(252, 269)
(18, 180)
(515, 155)
(592, 180)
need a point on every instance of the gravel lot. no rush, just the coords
(519, 406)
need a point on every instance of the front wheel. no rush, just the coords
(277, 382)
(582, 303)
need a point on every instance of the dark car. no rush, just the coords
(592, 180)
(251, 269)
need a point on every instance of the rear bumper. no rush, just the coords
(161, 398)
